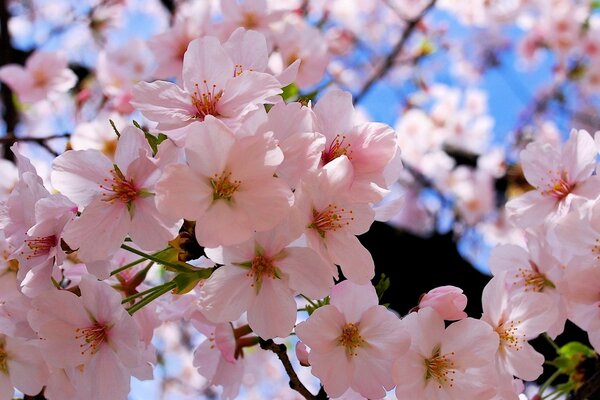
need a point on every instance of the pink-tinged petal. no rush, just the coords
(537, 159)
(333, 369)
(530, 209)
(525, 363)
(255, 157)
(177, 203)
(372, 376)
(226, 341)
(79, 174)
(17, 78)
(27, 369)
(508, 257)
(148, 229)
(227, 294)
(308, 273)
(579, 155)
(247, 49)
(206, 358)
(230, 255)
(165, 103)
(340, 174)
(448, 301)
(99, 231)
(355, 260)
(206, 63)
(353, 300)
(430, 326)
(460, 337)
(130, 143)
(493, 300)
(322, 330)
(223, 224)
(208, 146)
(302, 153)
(363, 216)
(273, 313)
(285, 120)
(245, 92)
(105, 367)
(289, 74)
(536, 312)
(100, 300)
(588, 188)
(265, 203)
(408, 373)
(373, 147)
(334, 113)
(384, 333)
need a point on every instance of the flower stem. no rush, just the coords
(151, 257)
(552, 342)
(547, 384)
(159, 291)
(143, 293)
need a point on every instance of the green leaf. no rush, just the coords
(382, 286)
(188, 280)
(290, 92)
(595, 5)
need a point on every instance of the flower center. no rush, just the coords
(336, 148)
(559, 187)
(3, 357)
(533, 280)
(330, 219)
(119, 188)
(351, 339)
(509, 336)
(40, 246)
(205, 100)
(92, 336)
(223, 186)
(440, 367)
(261, 267)
(250, 21)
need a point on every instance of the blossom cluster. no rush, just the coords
(235, 203)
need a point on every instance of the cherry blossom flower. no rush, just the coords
(92, 334)
(517, 319)
(213, 85)
(557, 175)
(21, 366)
(442, 362)
(353, 342)
(231, 191)
(45, 74)
(331, 218)
(265, 273)
(118, 198)
(448, 301)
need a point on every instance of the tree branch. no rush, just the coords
(281, 351)
(389, 60)
(10, 114)
(589, 388)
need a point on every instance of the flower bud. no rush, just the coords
(448, 301)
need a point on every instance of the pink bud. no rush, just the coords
(448, 301)
(302, 354)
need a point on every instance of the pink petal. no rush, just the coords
(353, 300)
(190, 203)
(308, 273)
(206, 61)
(273, 313)
(334, 113)
(355, 260)
(165, 103)
(227, 294)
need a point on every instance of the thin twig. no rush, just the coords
(589, 388)
(281, 351)
(390, 59)
(10, 114)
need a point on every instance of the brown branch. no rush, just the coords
(10, 114)
(281, 351)
(390, 59)
(42, 141)
(589, 388)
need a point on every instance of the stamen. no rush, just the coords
(510, 337)
(206, 100)
(351, 339)
(533, 279)
(440, 367)
(3, 357)
(93, 336)
(223, 187)
(119, 188)
(336, 148)
(559, 186)
(330, 219)
(40, 246)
